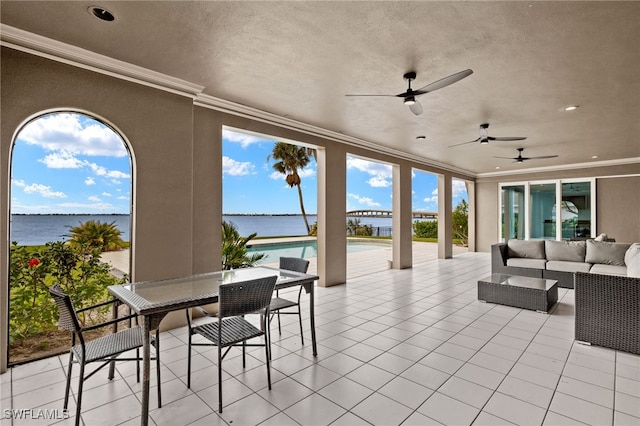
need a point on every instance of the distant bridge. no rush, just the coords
(388, 213)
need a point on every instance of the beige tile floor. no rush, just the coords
(396, 347)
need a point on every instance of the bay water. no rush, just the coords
(43, 228)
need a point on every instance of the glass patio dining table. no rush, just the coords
(152, 300)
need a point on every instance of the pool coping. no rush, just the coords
(284, 240)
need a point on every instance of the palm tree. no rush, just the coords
(97, 235)
(290, 159)
(234, 248)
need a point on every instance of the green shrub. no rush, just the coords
(33, 270)
(355, 228)
(426, 229)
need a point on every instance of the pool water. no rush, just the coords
(307, 249)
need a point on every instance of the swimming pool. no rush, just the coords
(307, 249)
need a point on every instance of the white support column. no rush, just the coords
(445, 247)
(402, 219)
(332, 205)
(471, 194)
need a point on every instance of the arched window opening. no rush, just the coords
(70, 210)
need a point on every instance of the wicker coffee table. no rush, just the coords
(521, 292)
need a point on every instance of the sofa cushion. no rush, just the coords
(608, 270)
(606, 253)
(526, 248)
(520, 262)
(564, 266)
(632, 260)
(570, 251)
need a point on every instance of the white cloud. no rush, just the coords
(122, 197)
(243, 139)
(94, 199)
(68, 160)
(232, 167)
(62, 160)
(106, 194)
(381, 174)
(73, 133)
(43, 190)
(102, 171)
(89, 181)
(19, 183)
(369, 202)
(378, 182)
(458, 190)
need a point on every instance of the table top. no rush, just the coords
(518, 281)
(149, 297)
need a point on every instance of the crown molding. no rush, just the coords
(605, 163)
(211, 102)
(35, 44)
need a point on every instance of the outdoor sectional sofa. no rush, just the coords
(606, 278)
(559, 260)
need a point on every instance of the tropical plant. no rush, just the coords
(96, 235)
(460, 220)
(355, 228)
(289, 159)
(83, 276)
(234, 248)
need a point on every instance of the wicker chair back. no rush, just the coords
(295, 264)
(67, 314)
(248, 297)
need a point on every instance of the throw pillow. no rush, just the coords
(568, 251)
(526, 248)
(606, 253)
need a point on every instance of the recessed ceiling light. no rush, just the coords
(421, 137)
(102, 13)
(497, 167)
(571, 107)
(594, 156)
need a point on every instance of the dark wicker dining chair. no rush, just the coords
(283, 306)
(235, 300)
(103, 349)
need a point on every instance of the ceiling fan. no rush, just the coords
(521, 159)
(485, 138)
(409, 95)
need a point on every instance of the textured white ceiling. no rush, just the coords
(299, 59)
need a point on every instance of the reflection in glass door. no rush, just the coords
(576, 210)
(543, 211)
(513, 212)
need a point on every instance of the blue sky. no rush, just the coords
(69, 163)
(250, 185)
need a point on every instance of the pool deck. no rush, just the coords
(358, 263)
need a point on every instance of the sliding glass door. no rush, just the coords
(513, 208)
(543, 211)
(529, 210)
